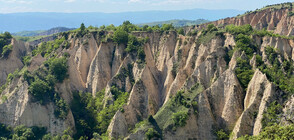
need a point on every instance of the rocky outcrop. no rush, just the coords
(100, 69)
(226, 99)
(272, 19)
(218, 106)
(190, 131)
(118, 126)
(13, 61)
(173, 62)
(260, 93)
(287, 116)
(17, 108)
(284, 46)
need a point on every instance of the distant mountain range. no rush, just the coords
(16, 22)
(43, 32)
(177, 23)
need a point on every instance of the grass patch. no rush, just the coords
(177, 107)
(29, 39)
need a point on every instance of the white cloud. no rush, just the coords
(134, 1)
(69, 1)
(66, 1)
(17, 1)
(168, 2)
(15, 9)
(97, 0)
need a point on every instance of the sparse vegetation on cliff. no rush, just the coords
(91, 115)
(21, 132)
(281, 70)
(89, 59)
(5, 46)
(272, 133)
(169, 118)
(244, 71)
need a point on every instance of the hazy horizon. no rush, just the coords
(42, 21)
(119, 6)
(31, 15)
(123, 11)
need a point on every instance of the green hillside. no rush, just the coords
(42, 32)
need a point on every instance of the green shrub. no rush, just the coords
(192, 33)
(244, 29)
(290, 13)
(136, 45)
(26, 60)
(259, 61)
(272, 54)
(263, 33)
(83, 108)
(58, 67)
(41, 91)
(41, 49)
(128, 27)
(174, 70)
(152, 133)
(82, 30)
(6, 35)
(208, 34)
(273, 132)
(211, 28)
(91, 116)
(243, 42)
(244, 72)
(105, 115)
(39, 132)
(167, 27)
(9, 78)
(179, 99)
(141, 55)
(272, 114)
(82, 27)
(46, 48)
(133, 44)
(6, 50)
(115, 92)
(61, 109)
(120, 36)
(181, 31)
(66, 54)
(145, 28)
(66, 45)
(194, 104)
(110, 27)
(58, 42)
(179, 118)
(5, 131)
(21, 132)
(5, 39)
(156, 28)
(281, 74)
(222, 135)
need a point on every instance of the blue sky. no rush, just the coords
(110, 6)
